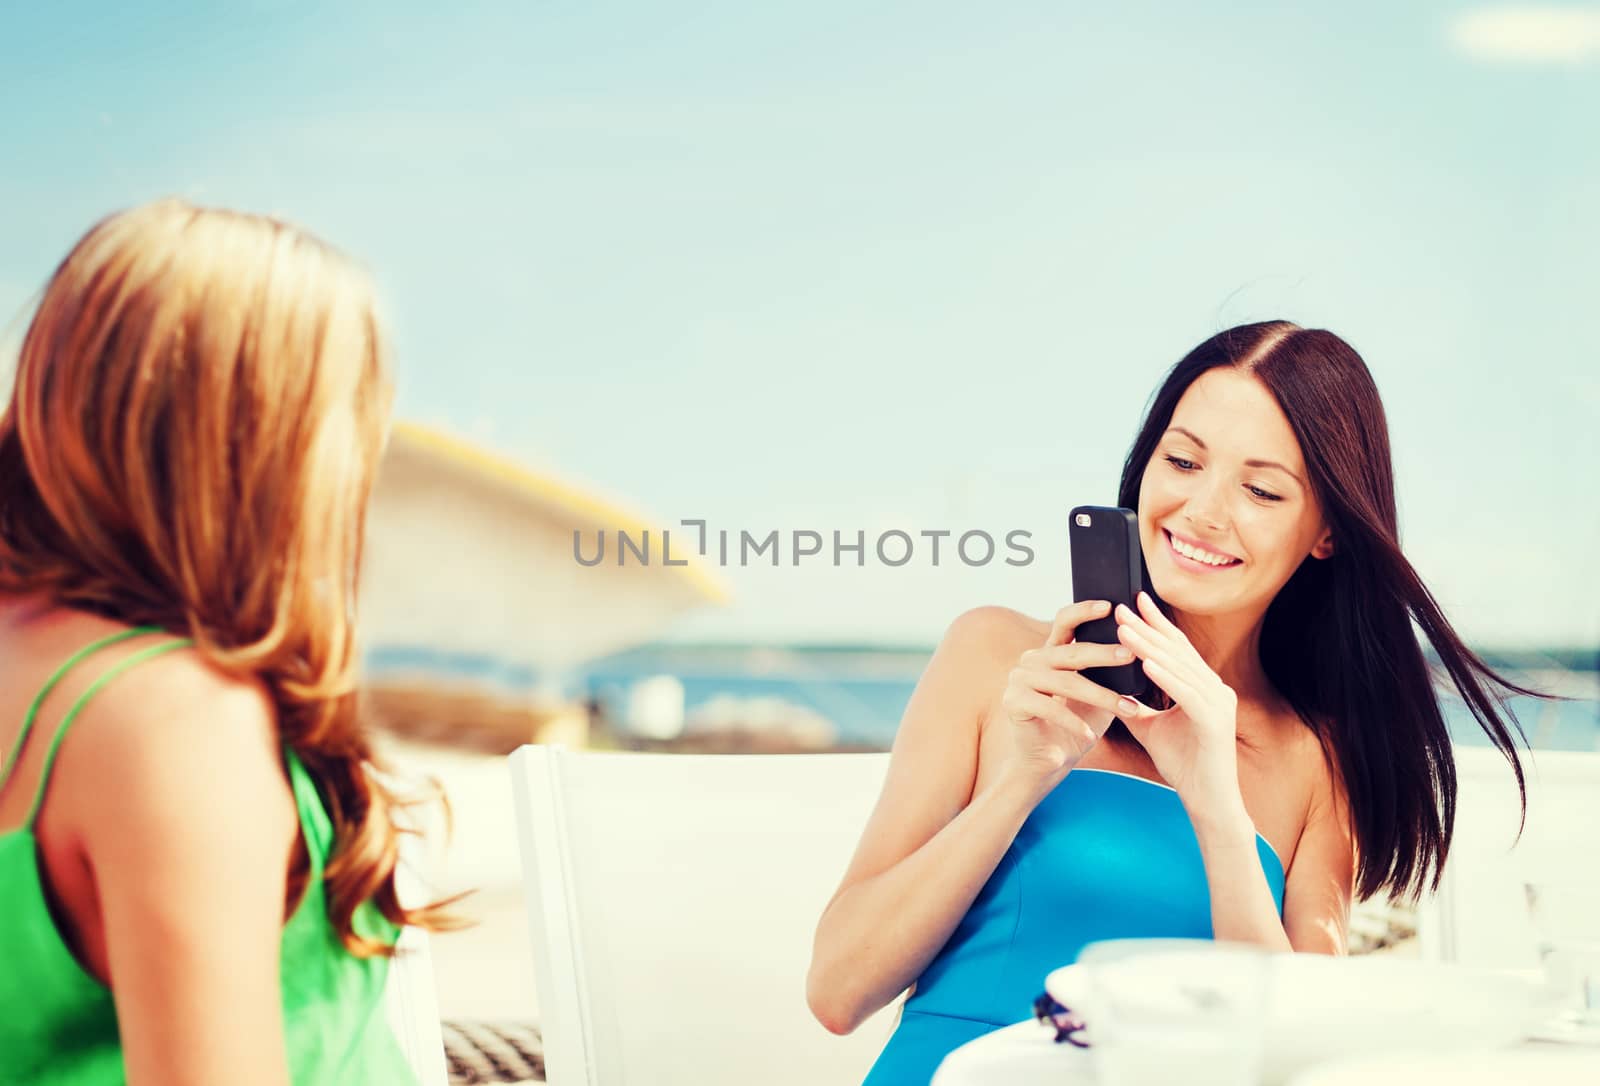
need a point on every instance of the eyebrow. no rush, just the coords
(1194, 437)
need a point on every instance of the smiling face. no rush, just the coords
(1226, 512)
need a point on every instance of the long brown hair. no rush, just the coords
(200, 403)
(1338, 640)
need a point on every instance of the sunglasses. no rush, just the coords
(1067, 1025)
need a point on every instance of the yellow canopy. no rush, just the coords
(469, 552)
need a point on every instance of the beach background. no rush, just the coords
(828, 268)
(805, 698)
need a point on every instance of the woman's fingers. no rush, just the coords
(1127, 616)
(1129, 619)
(1136, 715)
(1179, 689)
(1155, 616)
(1074, 687)
(1021, 702)
(1148, 644)
(1077, 655)
(1151, 649)
(1070, 617)
(1152, 618)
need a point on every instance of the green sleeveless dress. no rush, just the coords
(58, 1025)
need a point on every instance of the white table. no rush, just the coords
(1027, 1054)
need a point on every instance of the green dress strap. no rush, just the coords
(315, 825)
(58, 1024)
(50, 684)
(61, 729)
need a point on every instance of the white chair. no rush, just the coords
(410, 999)
(673, 899)
(1480, 915)
(413, 1008)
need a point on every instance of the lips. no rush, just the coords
(1195, 556)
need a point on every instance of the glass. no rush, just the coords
(1165, 1010)
(1566, 924)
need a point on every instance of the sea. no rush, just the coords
(860, 692)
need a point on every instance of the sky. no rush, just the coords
(842, 267)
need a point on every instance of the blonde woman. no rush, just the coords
(196, 862)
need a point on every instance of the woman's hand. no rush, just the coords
(1193, 744)
(1056, 714)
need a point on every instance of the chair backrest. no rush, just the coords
(673, 899)
(411, 1001)
(413, 1008)
(1480, 915)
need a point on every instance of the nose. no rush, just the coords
(1205, 508)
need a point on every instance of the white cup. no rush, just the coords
(1173, 1010)
(1566, 923)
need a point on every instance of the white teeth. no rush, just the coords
(1197, 554)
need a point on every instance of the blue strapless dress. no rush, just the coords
(1104, 856)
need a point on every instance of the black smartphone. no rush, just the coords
(1107, 564)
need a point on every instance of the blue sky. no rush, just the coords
(914, 267)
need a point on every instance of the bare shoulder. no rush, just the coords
(178, 708)
(1314, 767)
(1321, 765)
(1321, 874)
(961, 679)
(987, 643)
(1287, 746)
(996, 633)
(178, 737)
(1300, 749)
(935, 761)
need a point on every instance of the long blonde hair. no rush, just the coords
(200, 403)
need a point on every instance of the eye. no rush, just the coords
(1180, 463)
(1262, 494)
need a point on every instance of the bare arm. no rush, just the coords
(1317, 886)
(931, 844)
(189, 851)
(1242, 908)
(1320, 882)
